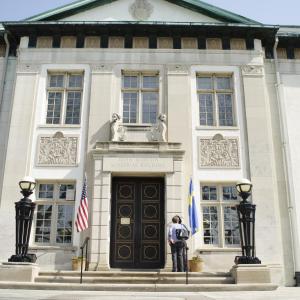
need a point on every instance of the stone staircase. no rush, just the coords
(142, 281)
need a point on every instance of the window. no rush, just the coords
(64, 98)
(54, 216)
(219, 215)
(215, 96)
(140, 98)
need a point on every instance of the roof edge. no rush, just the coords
(195, 5)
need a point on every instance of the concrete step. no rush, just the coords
(139, 287)
(162, 279)
(132, 274)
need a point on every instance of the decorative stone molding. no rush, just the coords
(57, 150)
(252, 70)
(30, 68)
(141, 10)
(178, 69)
(117, 130)
(160, 130)
(219, 152)
(103, 68)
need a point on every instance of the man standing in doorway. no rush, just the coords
(177, 246)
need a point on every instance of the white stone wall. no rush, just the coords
(284, 95)
(102, 97)
(5, 110)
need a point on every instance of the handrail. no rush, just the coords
(84, 245)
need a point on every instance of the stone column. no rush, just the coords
(262, 167)
(100, 218)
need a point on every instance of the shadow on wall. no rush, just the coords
(102, 135)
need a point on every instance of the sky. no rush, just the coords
(283, 12)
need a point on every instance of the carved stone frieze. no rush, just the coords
(57, 150)
(252, 70)
(219, 152)
(141, 10)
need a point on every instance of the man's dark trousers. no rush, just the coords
(177, 256)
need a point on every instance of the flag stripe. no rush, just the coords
(82, 217)
(193, 216)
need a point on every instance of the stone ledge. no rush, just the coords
(251, 274)
(18, 272)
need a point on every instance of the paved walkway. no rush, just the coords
(280, 294)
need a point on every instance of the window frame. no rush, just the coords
(64, 90)
(220, 204)
(55, 202)
(215, 92)
(140, 90)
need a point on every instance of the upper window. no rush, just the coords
(215, 96)
(54, 216)
(219, 215)
(64, 95)
(140, 94)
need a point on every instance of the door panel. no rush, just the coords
(137, 223)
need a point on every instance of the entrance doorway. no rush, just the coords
(137, 223)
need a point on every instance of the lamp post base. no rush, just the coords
(29, 258)
(247, 260)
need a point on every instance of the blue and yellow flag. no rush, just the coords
(194, 222)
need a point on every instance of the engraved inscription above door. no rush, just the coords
(137, 223)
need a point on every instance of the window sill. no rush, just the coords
(59, 126)
(138, 127)
(53, 248)
(218, 250)
(217, 128)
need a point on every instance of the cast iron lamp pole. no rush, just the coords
(246, 215)
(24, 215)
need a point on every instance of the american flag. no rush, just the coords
(82, 212)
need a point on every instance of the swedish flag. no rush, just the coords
(193, 216)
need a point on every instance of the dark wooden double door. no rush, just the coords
(137, 223)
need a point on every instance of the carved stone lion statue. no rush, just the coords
(116, 129)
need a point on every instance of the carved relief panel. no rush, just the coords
(68, 42)
(92, 42)
(165, 43)
(57, 150)
(140, 42)
(219, 152)
(44, 42)
(189, 43)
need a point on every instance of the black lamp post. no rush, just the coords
(246, 215)
(24, 215)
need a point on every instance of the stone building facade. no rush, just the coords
(141, 96)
